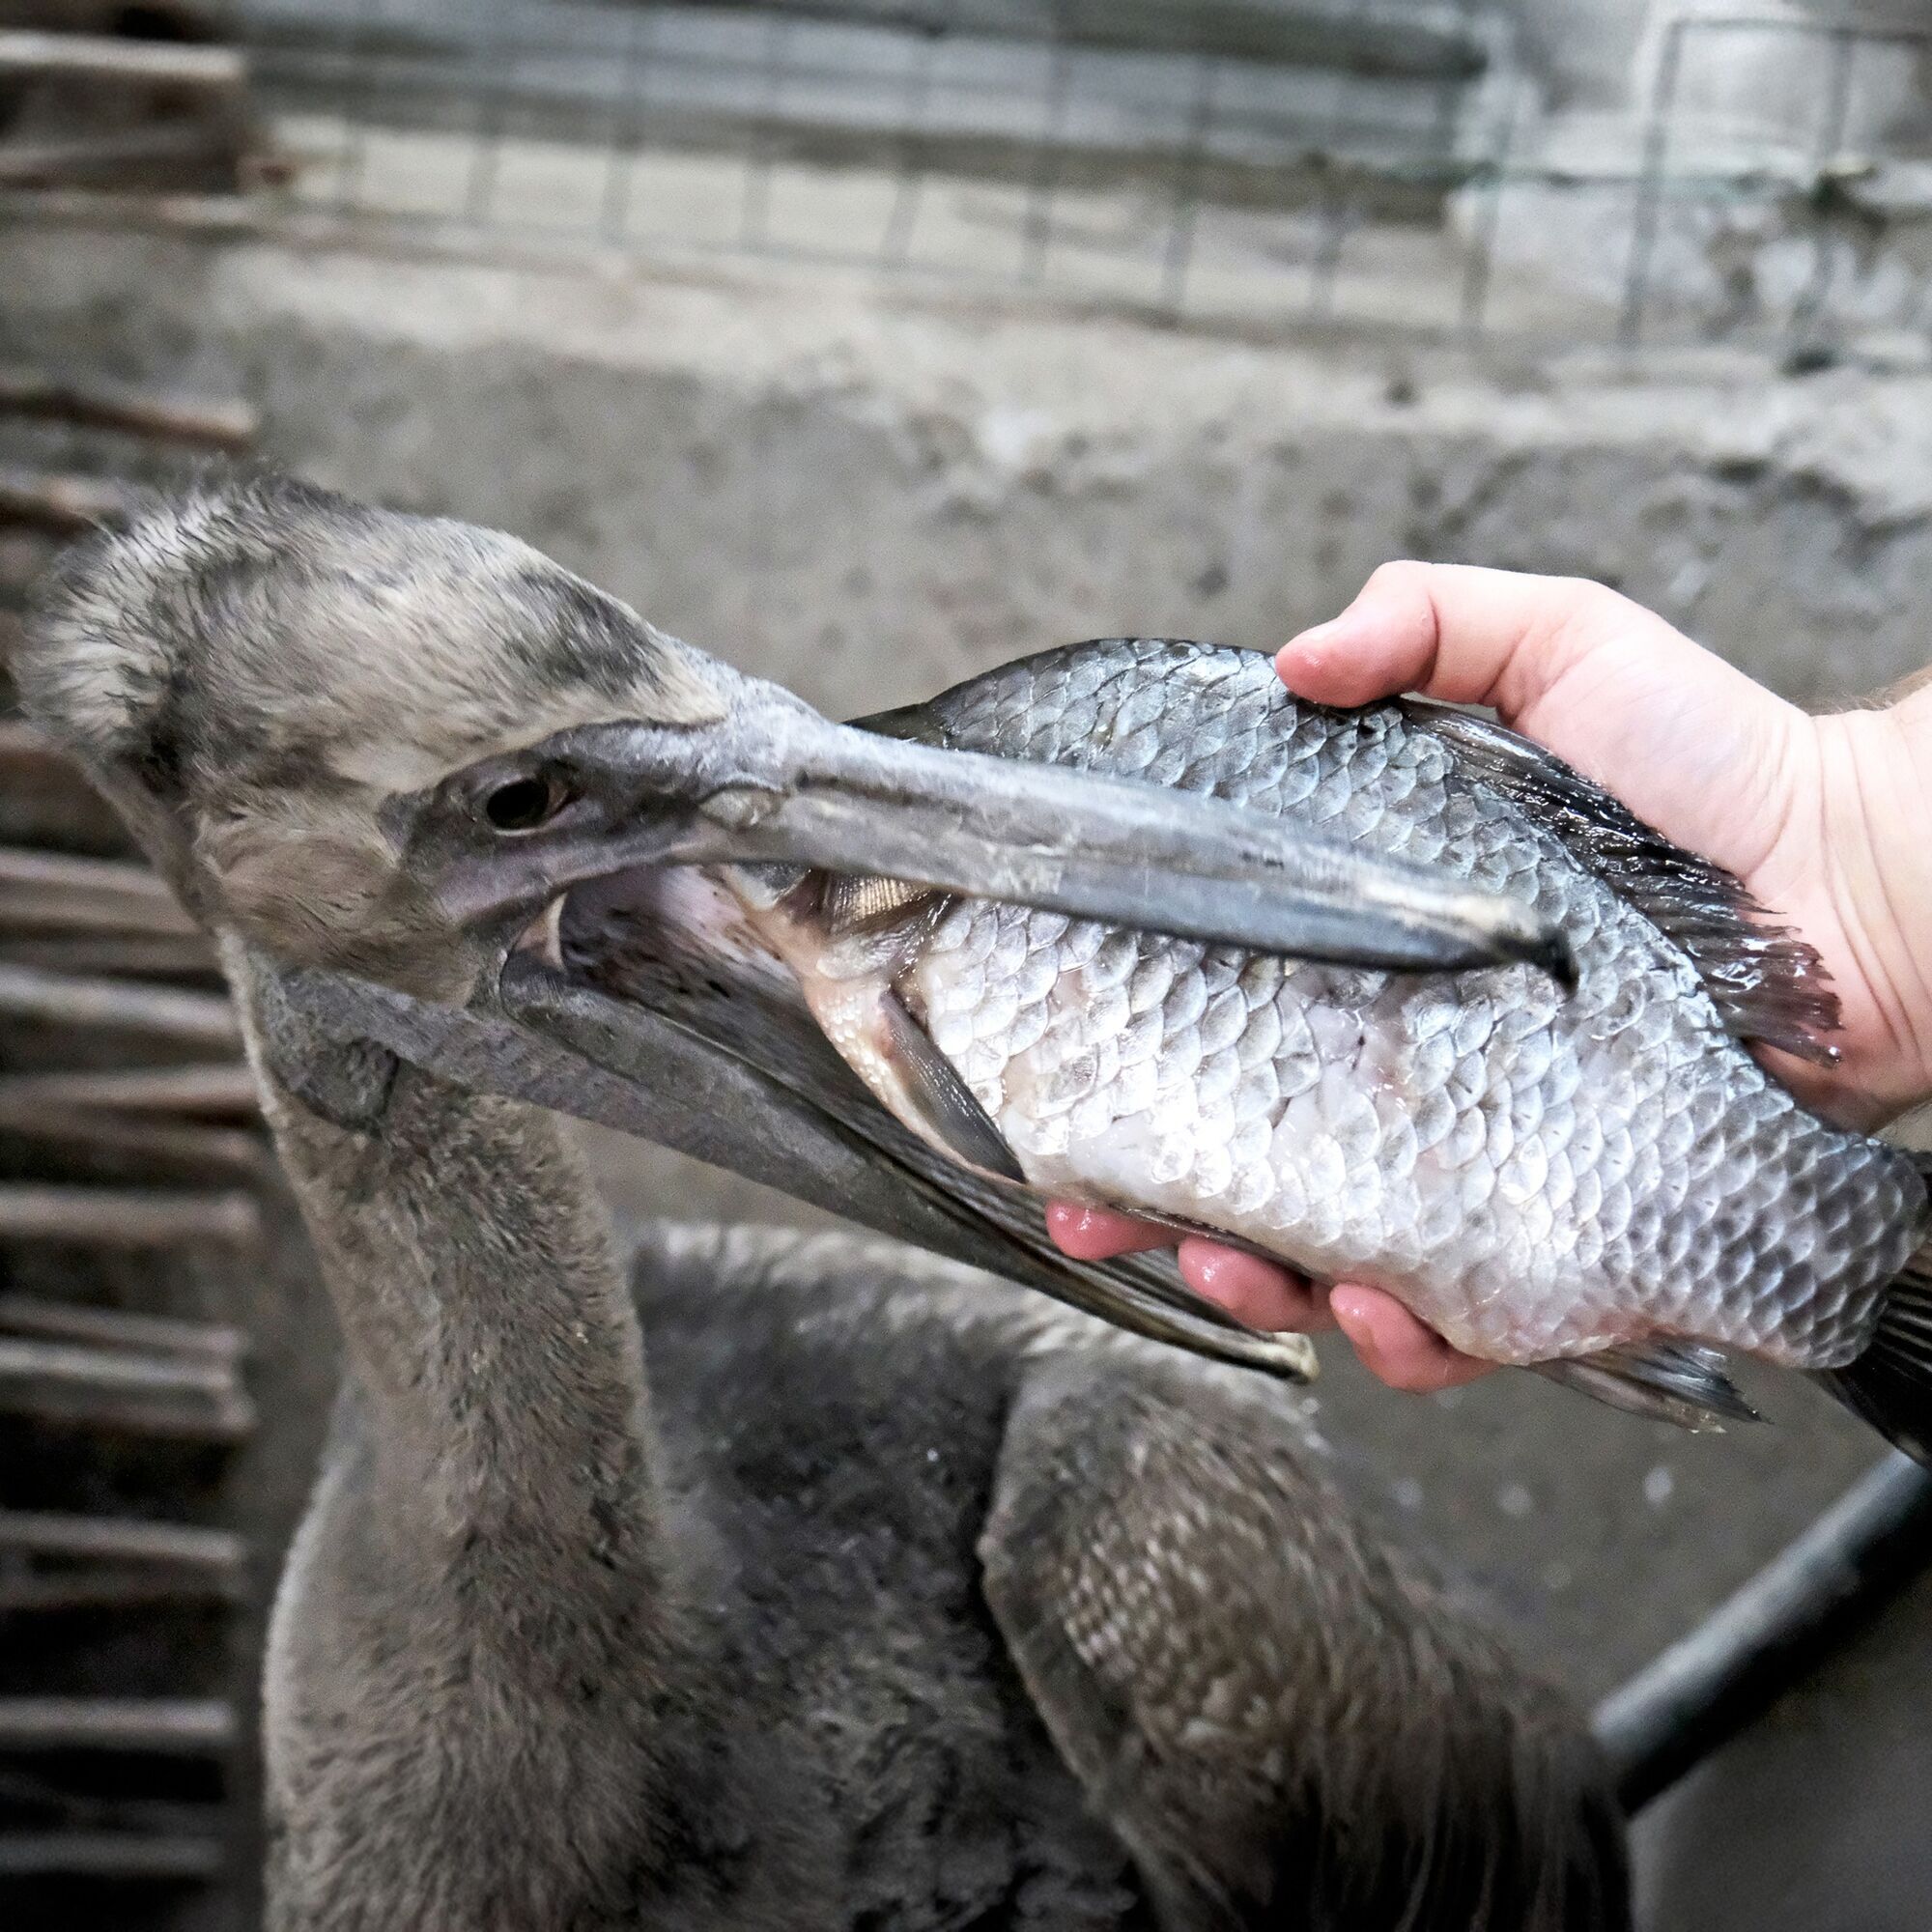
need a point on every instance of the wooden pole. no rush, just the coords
(118, 1328)
(188, 1727)
(227, 1092)
(61, 504)
(156, 1858)
(110, 1217)
(143, 1395)
(119, 1006)
(107, 60)
(224, 423)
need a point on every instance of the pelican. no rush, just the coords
(895, 1594)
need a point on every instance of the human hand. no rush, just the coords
(1825, 819)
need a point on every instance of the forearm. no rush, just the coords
(1878, 851)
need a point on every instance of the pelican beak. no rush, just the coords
(542, 1038)
(774, 783)
(724, 1072)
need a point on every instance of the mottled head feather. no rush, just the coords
(266, 629)
(254, 668)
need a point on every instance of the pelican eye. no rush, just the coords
(523, 803)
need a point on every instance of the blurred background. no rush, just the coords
(867, 343)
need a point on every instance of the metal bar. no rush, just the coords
(1038, 228)
(47, 1794)
(131, 153)
(1411, 41)
(36, 772)
(1178, 256)
(1650, 185)
(214, 1553)
(1889, 34)
(494, 60)
(1478, 269)
(125, 955)
(1809, 306)
(21, 746)
(189, 1727)
(909, 185)
(755, 215)
(119, 1006)
(64, 1563)
(359, 48)
(1703, 1690)
(627, 137)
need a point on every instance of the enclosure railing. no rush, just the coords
(1381, 166)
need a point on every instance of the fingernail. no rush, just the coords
(1316, 640)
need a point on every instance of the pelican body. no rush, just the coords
(748, 1582)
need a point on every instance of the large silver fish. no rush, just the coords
(1602, 1181)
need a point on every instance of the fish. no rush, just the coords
(1599, 1179)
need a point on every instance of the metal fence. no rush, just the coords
(1277, 165)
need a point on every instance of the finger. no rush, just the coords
(1262, 1293)
(1098, 1233)
(1460, 633)
(1393, 1345)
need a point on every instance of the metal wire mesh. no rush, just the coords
(1369, 165)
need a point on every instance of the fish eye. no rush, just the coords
(523, 803)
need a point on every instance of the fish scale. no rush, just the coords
(1535, 1174)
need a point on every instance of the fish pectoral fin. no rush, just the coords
(1669, 1381)
(949, 1109)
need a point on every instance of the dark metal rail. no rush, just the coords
(1788, 1619)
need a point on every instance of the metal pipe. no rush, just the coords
(1704, 1690)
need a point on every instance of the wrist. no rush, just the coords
(1876, 840)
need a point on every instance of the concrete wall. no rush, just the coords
(1582, 52)
(868, 498)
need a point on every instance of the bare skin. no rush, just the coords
(1827, 820)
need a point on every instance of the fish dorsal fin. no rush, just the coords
(1767, 985)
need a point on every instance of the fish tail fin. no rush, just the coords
(1890, 1385)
